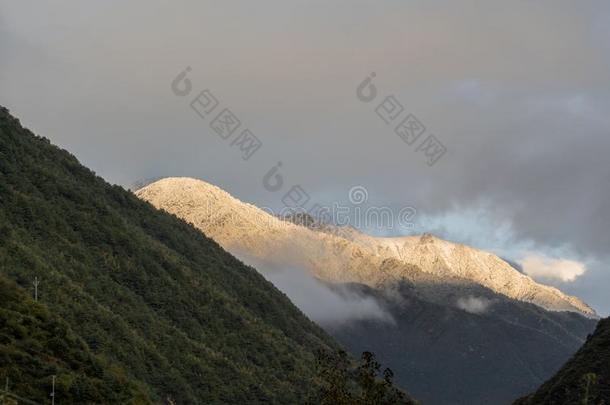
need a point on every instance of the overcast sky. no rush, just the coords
(517, 92)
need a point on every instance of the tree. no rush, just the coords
(588, 381)
(341, 382)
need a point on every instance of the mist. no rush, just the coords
(474, 305)
(328, 305)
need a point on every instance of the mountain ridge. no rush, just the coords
(436, 328)
(221, 216)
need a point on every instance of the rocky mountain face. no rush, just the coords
(343, 254)
(461, 326)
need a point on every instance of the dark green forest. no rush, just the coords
(136, 306)
(144, 291)
(35, 345)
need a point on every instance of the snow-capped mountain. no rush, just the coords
(439, 314)
(344, 255)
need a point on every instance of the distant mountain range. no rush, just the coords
(454, 317)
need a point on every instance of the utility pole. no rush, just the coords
(53, 392)
(36, 282)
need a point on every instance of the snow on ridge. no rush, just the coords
(337, 255)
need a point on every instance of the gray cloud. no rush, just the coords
(330, 306)
(518, 92)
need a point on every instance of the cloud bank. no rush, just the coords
(540, 267)
(330, 306)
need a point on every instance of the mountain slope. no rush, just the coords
(35, 345)
(445, 355)
(585, 379)
(466, 327)
(144, 290)
(344, 254)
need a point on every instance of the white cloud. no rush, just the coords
(538, 266)
(325, 305)
(329, 305)
(474, 305)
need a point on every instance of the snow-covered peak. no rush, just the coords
(345, 254)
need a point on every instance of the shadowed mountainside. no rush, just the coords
(584, 379)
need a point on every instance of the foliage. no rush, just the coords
(35, 345)
(343, 383)
(146, 293)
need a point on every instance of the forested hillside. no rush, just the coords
(585, 379)
(35, 346)
(137, 290)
